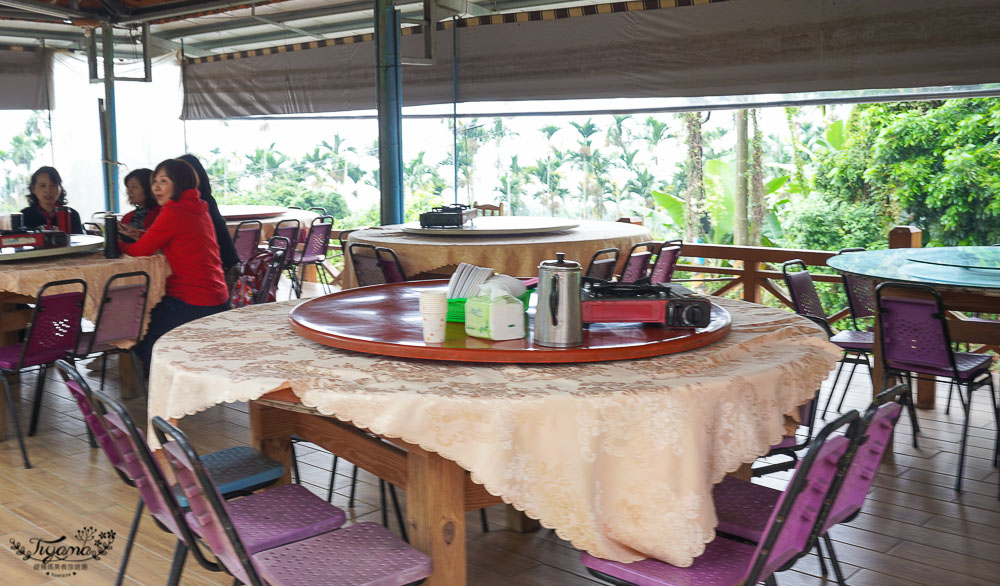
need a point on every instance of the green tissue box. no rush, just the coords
(456, 307)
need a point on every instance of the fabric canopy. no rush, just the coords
(27, 78)
(722, 48)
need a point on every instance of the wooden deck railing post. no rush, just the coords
(905, 237)
(751, 281)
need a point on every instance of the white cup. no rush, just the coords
(433, 301)
(434, 325)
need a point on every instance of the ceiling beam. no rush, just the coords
(36, 7)
(318, 30)
(292, 15)
(186, 9)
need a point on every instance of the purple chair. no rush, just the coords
(266, 520)
(246, 239)
(375, 265)
(240, 470)
(313, 253)
(915, 339)
(289, 229)
(603, 269)
(51, 335)
(788, 533)
(666, 262)
(363, 554)
(120, 319)
(790, 445)
(743, 508)
(259, 281)
(637, 263)
(856, 345)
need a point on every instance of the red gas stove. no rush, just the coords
(669, 304)
(33, 238)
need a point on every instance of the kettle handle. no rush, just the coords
(554, 301)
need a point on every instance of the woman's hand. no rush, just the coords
(130, 231)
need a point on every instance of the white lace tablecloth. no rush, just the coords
(516, 255)
(27, 277)
(618, 457)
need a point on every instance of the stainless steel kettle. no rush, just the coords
(557, 315)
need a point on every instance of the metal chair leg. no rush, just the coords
(912, 410)
(833, 560)
(354, 486)
(36, 409)
(177, 565)
(965, 436)
(382, 504)
(847, 385)
(333, 478)
(947, 404)
(483, 521)
(833, 387)
(822, 562)
(131, 540)
(399, 514)
(295, 463)
(12, 408)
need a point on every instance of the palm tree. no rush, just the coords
(512, 185)
(583, 158)
(654, 133)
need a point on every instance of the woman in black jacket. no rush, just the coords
(46, 195)
(227, 251)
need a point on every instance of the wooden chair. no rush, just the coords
(486, 209)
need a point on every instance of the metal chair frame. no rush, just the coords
(105, 301)
(971, 383)
(247, 229)
(296, 265)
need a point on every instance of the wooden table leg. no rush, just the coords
(926, 393)
(435, 508)
(129, 383)
(270, 429)
(520, 522)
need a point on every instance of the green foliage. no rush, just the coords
(17, 161)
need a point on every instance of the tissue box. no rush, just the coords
(456, 307)
(496, 318)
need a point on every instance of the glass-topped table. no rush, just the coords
(967, 277)
(973, 267)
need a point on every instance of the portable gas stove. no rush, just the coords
(33, 238)
(669, 304)
(449, 216)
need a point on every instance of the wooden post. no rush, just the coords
(751, 282)
(906, 237)
(435, 509)
(269, 432)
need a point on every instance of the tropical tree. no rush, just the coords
(584, 158)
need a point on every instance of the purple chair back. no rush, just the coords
(392, 270)
(318, 240)
(876, 437)
(279, 247)
(666, 262)
(367, 268)
(637, 263)
(206, 503)
(800, 508)
(80, 392)
(288, 229)
(55, 324)
(603, 268)
(860, 292)
(914, 334)
(802, 290)
(123, 310)
(247, 238)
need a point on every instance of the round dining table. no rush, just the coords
(618, 457)
(513, 254)
(967, 278)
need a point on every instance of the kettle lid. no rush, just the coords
(559, 263)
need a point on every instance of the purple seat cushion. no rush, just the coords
(724, 562)
(365, 554)
(855, 340)
(281, 515)
(743, 508)
(10, 355)
(968, 364)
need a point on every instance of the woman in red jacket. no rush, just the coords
(184, 232)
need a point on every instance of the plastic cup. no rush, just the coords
(433, 302)
(434, 324)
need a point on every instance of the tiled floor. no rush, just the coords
(915, 528)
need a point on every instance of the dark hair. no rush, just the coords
(204, 185)
(54, 178)
(181, 174)
(144, 177)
